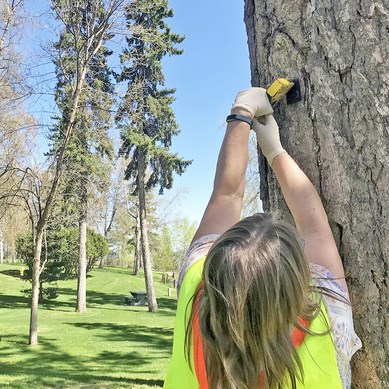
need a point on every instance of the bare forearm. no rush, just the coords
(232, 161)
(225, 204)
(300, 195)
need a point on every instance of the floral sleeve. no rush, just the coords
(346, 340)
(196, 251)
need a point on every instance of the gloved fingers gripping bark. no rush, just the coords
(268, 137)
(253, 100)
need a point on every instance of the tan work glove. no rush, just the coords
(253, 100)
(268, 137)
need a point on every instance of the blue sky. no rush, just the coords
(213, 68)
(207, 76)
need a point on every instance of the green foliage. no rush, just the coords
(63, 248)
(171, 244)
(25, 248)
(90, 149)
(145, 116)
(96, 247)
(163, 257)
(62, 253)
(52, 272)
(182, 231)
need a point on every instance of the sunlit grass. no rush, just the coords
(111, 346)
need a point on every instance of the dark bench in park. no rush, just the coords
(136, 298)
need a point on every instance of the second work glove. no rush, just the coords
(268, 137)
(253, 100)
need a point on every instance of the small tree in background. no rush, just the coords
(163, 253)
(172, 243)
(182, 232)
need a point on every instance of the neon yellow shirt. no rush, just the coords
(317, 353)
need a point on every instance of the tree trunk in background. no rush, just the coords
(82, 262)
(107, 230)
(1, 247)
(103, 261)
(13, 252)
(138, 251)
(339, 136)
(151, 298)
(35, 288)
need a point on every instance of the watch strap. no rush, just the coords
(242, 118)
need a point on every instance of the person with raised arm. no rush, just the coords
(261, 304)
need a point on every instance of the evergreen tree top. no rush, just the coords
(145, 115)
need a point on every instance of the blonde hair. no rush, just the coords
(256, 286)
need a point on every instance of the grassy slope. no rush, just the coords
(111, 346)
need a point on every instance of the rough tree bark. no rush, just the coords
(151, 297)
(339, 136)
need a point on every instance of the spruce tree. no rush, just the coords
(85, 163)
(145, 116)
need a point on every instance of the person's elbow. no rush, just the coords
(315, 223)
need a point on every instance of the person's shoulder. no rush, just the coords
(197, 250)
(201, 245)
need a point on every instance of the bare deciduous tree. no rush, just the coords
(67, 12)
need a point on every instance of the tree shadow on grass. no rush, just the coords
(107, 301)
(8, 301)
(141, 381)
(17, 340)
(165, 303)
(167, 307)
(158, 338)
(11, 273)
(93, 300)
(49, 366)
(117, 270)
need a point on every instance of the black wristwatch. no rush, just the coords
(242, 118)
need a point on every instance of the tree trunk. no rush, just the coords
(107, 230)
(138, 253)
(40, 298)
(13, 251)
(1, 247)
(339, 136)
(82, 262)
(33, 338)
(151, 298)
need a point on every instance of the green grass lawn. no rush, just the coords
(111, 346)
